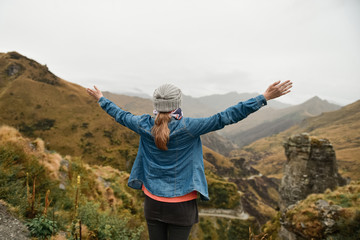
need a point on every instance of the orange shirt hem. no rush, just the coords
(187, 197)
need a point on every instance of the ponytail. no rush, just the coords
(161, 131)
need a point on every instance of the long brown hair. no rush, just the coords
(161, 131)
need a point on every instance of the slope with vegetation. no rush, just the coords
(56, 194)
(329, 215)
(64, 196)
(39, 104)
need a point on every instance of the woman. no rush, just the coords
(169, 165)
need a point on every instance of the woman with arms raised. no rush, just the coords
(169, 165)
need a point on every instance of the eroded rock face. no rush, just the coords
(13, 69)
(11, 227)
(311, 167)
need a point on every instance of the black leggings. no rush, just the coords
(166, 231)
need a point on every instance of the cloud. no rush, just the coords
(204, 47)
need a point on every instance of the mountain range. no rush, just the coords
(40, 104)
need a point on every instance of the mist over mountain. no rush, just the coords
(138, 93)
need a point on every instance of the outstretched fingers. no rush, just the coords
(275, 83)
(97, 94)
(91, 92)
(285, 87)
(278, 89)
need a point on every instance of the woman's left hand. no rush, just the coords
(277, 89)
(97, 94)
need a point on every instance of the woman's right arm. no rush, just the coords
(125, 118)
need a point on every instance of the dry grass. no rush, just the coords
(73, 117)
(51, 161)
(307, 213)
(220, 160)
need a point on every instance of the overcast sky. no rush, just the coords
(202, 46)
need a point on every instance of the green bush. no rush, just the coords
(14, 166)
(348, 228)
(207, 229)
(41, 227)
(106, 225)
(222, 195)
(226, 229)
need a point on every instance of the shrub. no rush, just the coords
(223, 194)
(106, 225)
(14, 166)
(44, 124)
(207, 229)
(88, 135)
(41, 227)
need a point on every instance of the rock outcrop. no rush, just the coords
(311, 167)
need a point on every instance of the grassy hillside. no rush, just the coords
(46, 189)
(135, 105)
(330, 215)
(39, 104)
(341, 127)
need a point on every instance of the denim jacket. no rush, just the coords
(180, 169)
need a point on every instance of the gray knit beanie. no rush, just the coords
(167, 98)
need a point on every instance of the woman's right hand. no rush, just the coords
(97, 94)
(277, 89)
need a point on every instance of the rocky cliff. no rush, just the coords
(311, 167)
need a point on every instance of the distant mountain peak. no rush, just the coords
(317, 100)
